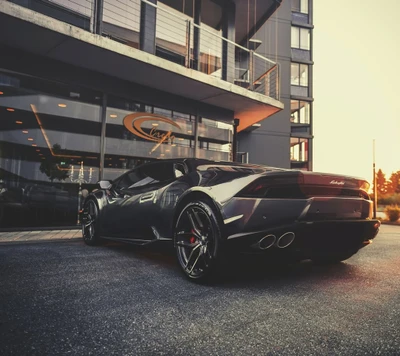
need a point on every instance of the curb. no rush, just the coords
(16, 242)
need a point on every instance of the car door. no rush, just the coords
(132, 206)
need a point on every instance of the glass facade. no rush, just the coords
(300, 6)
(299, 149)
(300, 38)
(299, 74)
(49, 140)
(57, 141)
(300, 112)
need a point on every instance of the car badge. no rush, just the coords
(337, 182)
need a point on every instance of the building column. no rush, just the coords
(97, 17)
(103, 118)
(148, 17)
(196, 34)
(228, 49)
(236, 123)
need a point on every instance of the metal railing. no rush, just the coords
(177, 39)
(203, 48)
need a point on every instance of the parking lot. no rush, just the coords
(65, 298)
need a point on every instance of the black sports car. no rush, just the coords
(207, 209)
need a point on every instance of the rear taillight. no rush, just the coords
(260, 187)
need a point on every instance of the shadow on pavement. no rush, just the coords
(243, 270)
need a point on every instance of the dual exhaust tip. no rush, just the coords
(271, 240)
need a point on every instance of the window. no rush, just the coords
(300, 6)
(299, 74)
(299, 149)
(300, 112)
(215, 140)
(300, 38)
(146, 175)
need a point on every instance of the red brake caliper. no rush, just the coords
(192, 238)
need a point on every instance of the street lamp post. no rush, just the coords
(374, 172)
(80, 180)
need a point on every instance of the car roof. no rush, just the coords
(193, 163)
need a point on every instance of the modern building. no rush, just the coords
(285, 139)
(92, 88)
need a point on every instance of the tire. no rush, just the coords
(198, 241)
(90, 216)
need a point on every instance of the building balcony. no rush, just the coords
(151, 44)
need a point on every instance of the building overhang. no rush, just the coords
(257, 13)
(35, 33)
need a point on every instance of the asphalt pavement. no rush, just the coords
(66, 298)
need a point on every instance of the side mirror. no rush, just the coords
(105, 184)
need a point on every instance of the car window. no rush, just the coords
(150, 174)
(179, 170)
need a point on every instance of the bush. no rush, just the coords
(392, 199)
(392, 212)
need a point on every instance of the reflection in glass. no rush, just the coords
(298, 149)
(300, 112)
(126, 150)
(299, 74)
(41, 138)
(215, 140)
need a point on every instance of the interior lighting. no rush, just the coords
(154, 124)
(18, 122)
(34, 144)
(113, 116)
(1, 93)
(30, 139)
(10, 109)
(25, 131)
(62, 105)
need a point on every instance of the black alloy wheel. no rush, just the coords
(90, 215)
(197, 240)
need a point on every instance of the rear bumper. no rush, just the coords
(310, 237)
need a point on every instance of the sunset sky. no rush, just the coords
(356, 86)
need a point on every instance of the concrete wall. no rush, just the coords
(270, 144)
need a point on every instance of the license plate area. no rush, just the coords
(332, 209)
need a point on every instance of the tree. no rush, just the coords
(381, 183)
(393, 185)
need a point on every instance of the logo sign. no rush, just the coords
(133, 123)
(336, 182)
